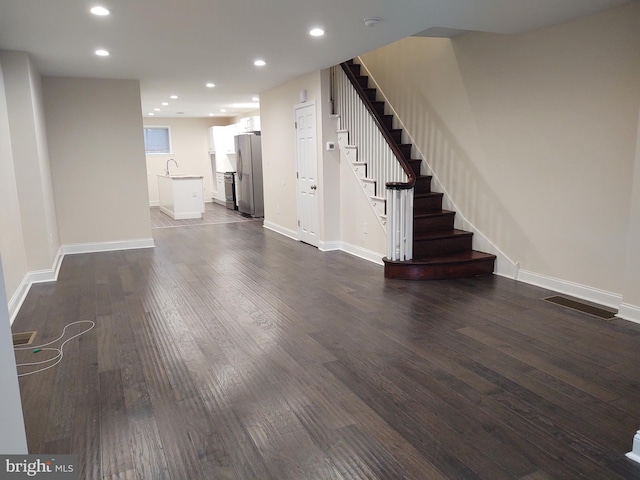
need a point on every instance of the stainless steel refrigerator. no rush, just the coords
(249, 174)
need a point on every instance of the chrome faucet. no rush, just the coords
(166, 169)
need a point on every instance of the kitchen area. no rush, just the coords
(210, 165)
(235, 155)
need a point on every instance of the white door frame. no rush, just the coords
(307, 219)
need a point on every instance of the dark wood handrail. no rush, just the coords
(385, 133)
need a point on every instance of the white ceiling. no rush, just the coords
(175, 47)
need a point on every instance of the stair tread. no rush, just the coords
(427, 194)
(468, 256)
(440, 234)
(433, 213)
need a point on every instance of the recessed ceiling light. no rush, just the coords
(100, 11)
(259, 63)
(151, 114)
(156, 109)
(223, 109)
(173, 97)
(371, 21)
(316, 32)
(165, 103)
(210, 85)
(102, 53)
(212, 114)
(255, 99)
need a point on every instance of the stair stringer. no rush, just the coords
(505, 266)
(349, 154)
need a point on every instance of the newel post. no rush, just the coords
(399, 224)
(634, 454)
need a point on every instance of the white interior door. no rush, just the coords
(307, 159)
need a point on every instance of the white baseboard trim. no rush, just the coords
(154, 204)
(280, 229)
(17, 299)
(577, 290)
(329, 246)
(631, 313)
(635, 453)
(38, 276)
(97, 247)
(334, 245)
(363, 253)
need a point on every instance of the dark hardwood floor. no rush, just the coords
(231, 352)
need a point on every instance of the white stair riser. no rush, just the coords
(369, 187)
(343, 138)
(378, 206)
(360, 169)
(351, 153)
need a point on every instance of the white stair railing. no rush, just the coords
(373, 149)
(382, 166)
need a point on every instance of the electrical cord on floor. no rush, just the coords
(60, 351)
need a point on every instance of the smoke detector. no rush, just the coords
(371, 21)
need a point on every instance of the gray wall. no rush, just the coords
(96, 148)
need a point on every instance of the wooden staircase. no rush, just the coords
(440, 251)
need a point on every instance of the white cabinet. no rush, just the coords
(249, 124)
(211, 139)
(220, 139)
(230, 131)
(181, 196)
(220, 194)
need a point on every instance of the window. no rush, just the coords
(157, 140)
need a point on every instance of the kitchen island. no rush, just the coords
(181, 196)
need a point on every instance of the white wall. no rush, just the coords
(533, 135)
(190, 149)
(30, 159)
(97, 157)
(631, 293)
(12, 250)
(278, 150)
(329, 168)
(13, 439)
(12, 253)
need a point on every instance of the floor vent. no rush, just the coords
(582, 307)
(23, 338)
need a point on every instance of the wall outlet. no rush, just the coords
(331, 146)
